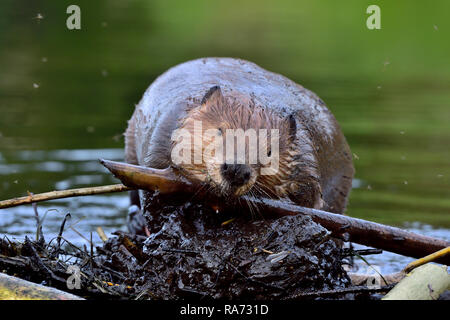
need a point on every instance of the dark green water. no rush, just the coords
(65, 96)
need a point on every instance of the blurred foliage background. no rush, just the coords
(75, 90)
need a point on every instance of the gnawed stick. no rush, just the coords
(31, 198)
(165, 180)
(364, 232)
(426, 282)
(350, 229)
(430, 258)
(12, 288)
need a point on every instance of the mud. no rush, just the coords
(191, 253)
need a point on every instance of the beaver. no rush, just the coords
(314, 163)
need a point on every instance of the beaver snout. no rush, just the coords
(236, 174)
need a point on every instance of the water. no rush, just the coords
(65, 96)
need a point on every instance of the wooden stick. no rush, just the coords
(347, 228)
(364, 232)
(350, 229)
(31, 198)
(101, 234)
(359, 279)
(341, 292)
(427, 282)
(166, 181)
(12, 288)
(432, 257)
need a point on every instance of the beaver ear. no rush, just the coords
(213, 97)
(292, 125)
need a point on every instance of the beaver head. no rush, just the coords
(236, 147)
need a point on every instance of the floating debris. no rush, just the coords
(39, 17)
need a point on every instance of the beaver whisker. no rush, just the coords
(257, 209)
(260, 190)
(249, 206)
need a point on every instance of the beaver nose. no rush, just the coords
(236, 174)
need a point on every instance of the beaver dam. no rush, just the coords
(194, 256)
(190, 257)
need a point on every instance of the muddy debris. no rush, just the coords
(192, 253)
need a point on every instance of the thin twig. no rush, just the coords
(428, 258)
(338, 292)
(31, 198)
(39, 234)
(61, 230)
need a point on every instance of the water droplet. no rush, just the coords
(39, 17)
